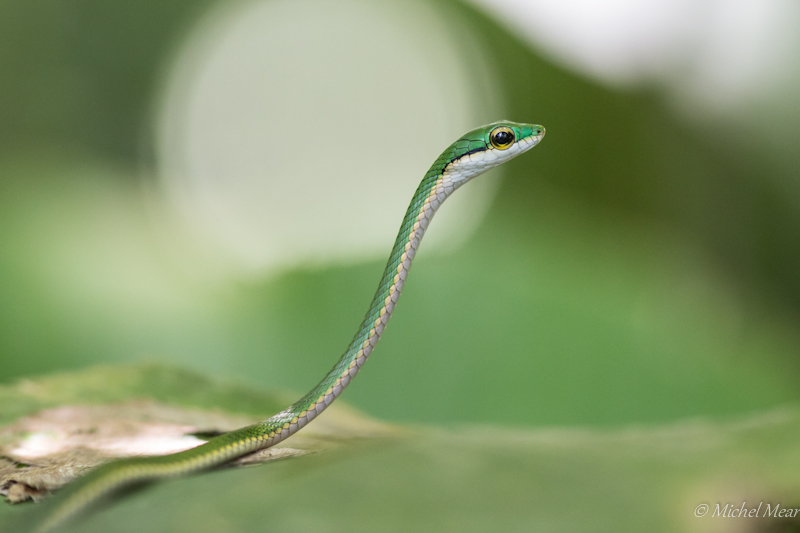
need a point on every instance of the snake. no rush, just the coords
(472, 154)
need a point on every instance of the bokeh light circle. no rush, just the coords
(295, 132)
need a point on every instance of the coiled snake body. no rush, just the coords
(474, 153)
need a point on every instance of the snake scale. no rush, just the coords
(474, 153)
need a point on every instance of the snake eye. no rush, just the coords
(502, 137)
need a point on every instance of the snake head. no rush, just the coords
(488, 146)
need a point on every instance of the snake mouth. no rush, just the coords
(537, 134)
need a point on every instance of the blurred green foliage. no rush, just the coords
(633, 268)
(483, 479)
(82, 74)
(105, 385)
(469, 478)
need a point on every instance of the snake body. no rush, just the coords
(471, 155)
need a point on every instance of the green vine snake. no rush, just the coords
(474, 153)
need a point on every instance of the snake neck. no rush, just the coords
(429, 196)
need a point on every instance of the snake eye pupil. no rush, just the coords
(502, 137)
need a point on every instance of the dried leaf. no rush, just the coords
(46, 449)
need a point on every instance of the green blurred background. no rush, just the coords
(639, 267)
